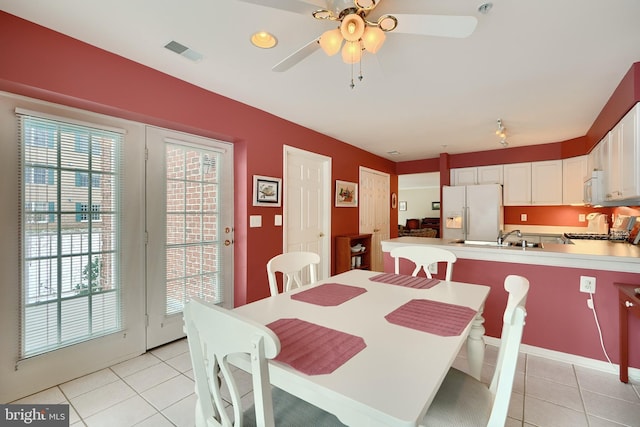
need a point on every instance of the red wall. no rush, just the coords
(82, 76)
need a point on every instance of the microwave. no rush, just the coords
(594, 191)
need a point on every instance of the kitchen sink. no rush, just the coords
(515, 245)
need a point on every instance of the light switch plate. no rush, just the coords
(255, 221)
(278, 220)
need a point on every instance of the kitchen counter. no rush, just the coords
(590, 254)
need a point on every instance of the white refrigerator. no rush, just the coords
(472, 212)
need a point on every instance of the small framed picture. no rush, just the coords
(267, 191)
(402, 206)
(346, 194)
(435, 206)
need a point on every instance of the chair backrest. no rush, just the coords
(213, 334)
(291, 265)
(422, 257)
(510, 339)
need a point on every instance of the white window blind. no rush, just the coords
(70, 232)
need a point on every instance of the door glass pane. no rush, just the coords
(193, 221)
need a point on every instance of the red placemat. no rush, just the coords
(435, 317)
(329, 294)
(314, 349)
(404, 280)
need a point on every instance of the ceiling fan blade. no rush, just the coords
(304, 8)
(436, 25)
(297, 56)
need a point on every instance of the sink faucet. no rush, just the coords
(502, 237)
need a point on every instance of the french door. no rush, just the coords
(189, 227)
(374, 211)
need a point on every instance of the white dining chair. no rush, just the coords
(291, 265)
(464, 401)
(215, 333)
(423, 257)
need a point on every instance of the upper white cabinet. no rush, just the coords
(533, 183)
(621, 159)
(574, 171)
(464, 176)
(477, 175)
(517, 184)
(546, 182)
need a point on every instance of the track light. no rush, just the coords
(501, 131)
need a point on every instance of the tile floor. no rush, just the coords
(156, 389)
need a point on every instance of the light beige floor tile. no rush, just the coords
(181, 362)
(170, 350)
(88, 382)
(599, 422)
(102, 398)
(609, 408)
(552, 370)
(124, 414)
(157, 420)
(606, 383)
(554, 392)
(169, 392)
(182, 413)
(50, 395)
(516, 406)
(134, 365)
(545, 414)
(513, 423)
(151, 376)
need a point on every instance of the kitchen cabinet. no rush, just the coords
(574, 172)
(533, 183)
(622, 169)
(346, 259)
(492, 174)
(517, 184)
(546, 179)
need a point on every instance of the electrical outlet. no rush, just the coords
(581, 218)
(433, 268)
(523, 217)
(588, 284)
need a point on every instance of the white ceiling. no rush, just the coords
(545, 67)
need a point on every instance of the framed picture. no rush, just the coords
(402, 206)
(267, 191)
(346, 194)
(435, 206)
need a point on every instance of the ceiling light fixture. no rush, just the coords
(356, 34)
(263, 40)
(502, 133)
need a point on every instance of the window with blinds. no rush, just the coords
(70, 187)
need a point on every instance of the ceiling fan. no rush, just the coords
(358, 28)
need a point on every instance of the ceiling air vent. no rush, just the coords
(182, 50)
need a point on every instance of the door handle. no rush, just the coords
(227, 242)
(375, 230)
(321, 234)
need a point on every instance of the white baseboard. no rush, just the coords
(585, 362)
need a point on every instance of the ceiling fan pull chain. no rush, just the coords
(360, 75)
(352, 85)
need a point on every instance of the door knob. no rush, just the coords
(628, 304)
(321, 234)
(227, 242)
(227, 230)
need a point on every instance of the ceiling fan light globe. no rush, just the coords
(373, 39)
(331, 41)
(387, 22)
(352, 27)
(365, 4)
(351, 52)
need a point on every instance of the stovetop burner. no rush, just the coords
(586, 236)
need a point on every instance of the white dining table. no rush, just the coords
(394, 379)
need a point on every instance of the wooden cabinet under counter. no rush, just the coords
(628, 303)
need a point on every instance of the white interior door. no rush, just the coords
(307, 205)
(374, 211)
(189, 188)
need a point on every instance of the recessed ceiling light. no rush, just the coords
(263, 40)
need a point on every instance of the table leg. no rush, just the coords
(475, 345)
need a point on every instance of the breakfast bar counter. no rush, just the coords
(560, 323)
